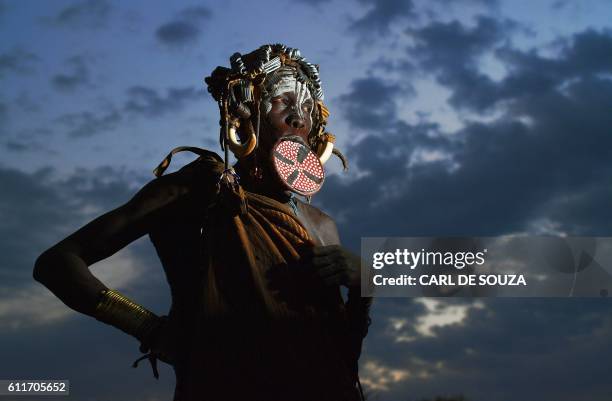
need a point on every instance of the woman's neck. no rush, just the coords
(266, 185)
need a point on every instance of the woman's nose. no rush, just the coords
(295, 121)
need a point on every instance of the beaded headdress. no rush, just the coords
(239, 92)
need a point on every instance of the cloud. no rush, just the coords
(14, 146)
(140, 101)
(3, 114)
(77, 76)
(559, 4)
(38, 332)
(371, 101)
(177, 33)
(27, 103)
(90, 14)
(196, 13)
(34, 305)
(185, 28)
(314, 3)
(376, 376)
(452, 52)
(446, 44)
(544, 156)
(439, 314)
(37, 211)
(17, 61)
(148, 102)
(488, 3)
(30, 140)
(517, 339)
(86, 123)
(380, 16)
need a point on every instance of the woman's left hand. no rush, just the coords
(335, 265)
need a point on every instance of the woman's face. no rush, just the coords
(289, 110)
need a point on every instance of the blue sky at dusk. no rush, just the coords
(472, 117)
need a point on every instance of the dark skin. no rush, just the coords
(332, 263)
(64, 268)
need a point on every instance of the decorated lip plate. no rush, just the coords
(297, 166)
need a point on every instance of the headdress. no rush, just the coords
(239, 91)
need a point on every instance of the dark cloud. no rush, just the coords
(17, 61)
(36, 132)
(84, 124)
(4, 118)
(488, 3)
(543, 161)
(559, 4)
(314, 2)
(177, 33)
(196, 13)
(25, 206)
(380, 16)
(37, 210)
(77, 76)
(531, 74)
(517, 339)
(141, 102)
(27, 103)
(451, 44)
(588, 52)
(14, 146)
(371, 102)
(85, 14)
(30, 140)
(545, 157)
(3, 112)
(452, 53)
(185, 28)
(148, 102)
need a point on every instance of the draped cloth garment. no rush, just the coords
(259, 327)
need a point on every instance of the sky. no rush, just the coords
(468, 117)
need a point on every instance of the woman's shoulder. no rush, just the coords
(324, 223)
(194, 183)
(207, 164)
(314, 211)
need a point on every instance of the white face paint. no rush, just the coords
(284, 81)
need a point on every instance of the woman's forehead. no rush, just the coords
(289, 85)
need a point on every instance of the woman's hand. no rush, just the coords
(163, 343)
(335, 265)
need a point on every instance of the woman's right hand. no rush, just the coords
(164, 342)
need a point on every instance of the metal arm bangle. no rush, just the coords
(118, 311)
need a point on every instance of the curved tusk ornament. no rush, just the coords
(327, 152)
(240, 149)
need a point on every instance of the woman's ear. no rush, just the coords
(243, 113)
(246, 129)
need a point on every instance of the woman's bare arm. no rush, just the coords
(64, 268)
